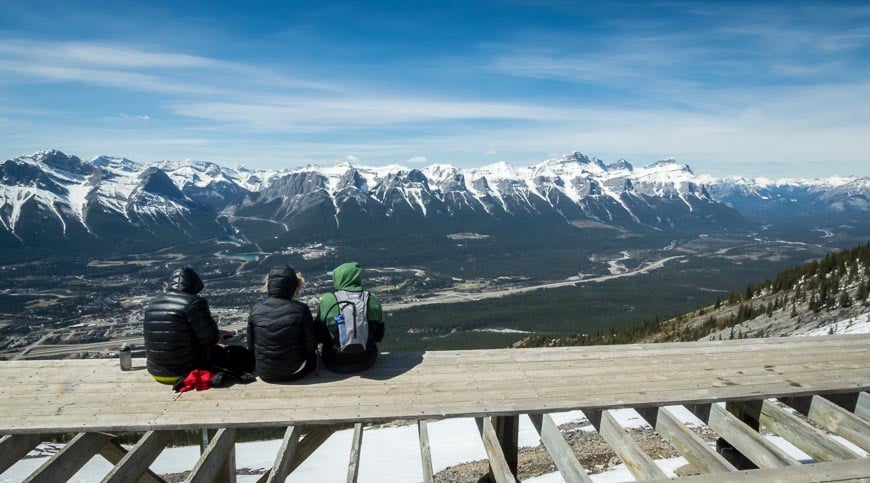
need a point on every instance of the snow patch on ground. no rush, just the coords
(859, 324)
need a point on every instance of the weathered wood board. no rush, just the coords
(94, 395)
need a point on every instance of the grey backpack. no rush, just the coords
(353, 307)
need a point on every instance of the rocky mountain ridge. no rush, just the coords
(52, 199)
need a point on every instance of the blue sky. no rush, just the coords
(729, 88)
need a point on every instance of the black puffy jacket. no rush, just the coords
(179, 328)
(281, 330)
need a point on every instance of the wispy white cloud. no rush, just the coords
(141, 117)
(417, 160)
(139, 69)
(309, 113)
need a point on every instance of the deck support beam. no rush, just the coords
(805, 437)
(638, 463)
(355, 448)
(842, 471)
(213, 463)
(13, 447)
(839, 421)
(286, 453)
(66, 462)
(507, 428)
(747, 440)
(498, 465)
(862, 408)
(425, 451)
(559, 449)
(133, 465)
(689, 444)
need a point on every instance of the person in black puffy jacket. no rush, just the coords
(180, 333)
(281, 331)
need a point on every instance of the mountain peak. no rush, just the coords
(498, 170)
(620, 164)
(57, 160)
(111, 162)
(156, 181)
(671, 164)
(568, 163)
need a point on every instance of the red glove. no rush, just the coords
(204, 381)
(190, 381)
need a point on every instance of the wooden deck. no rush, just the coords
(93, 396)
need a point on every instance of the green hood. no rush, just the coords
(346, 277)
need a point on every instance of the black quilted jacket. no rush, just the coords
(281, 330)
(179, 328)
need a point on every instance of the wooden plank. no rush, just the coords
(494, 359)
(252, 413)
(839, 421)
(133, 466)
(843, 471)
(690, 445)
(66, 462)
(862, 409)
(192, 407)
(436, 385)
(771, 362)
(228, 470)
(638, 463)
(559, 449)
(213, 460)
(715, 372)
(286, 454)
(805, 437)
(277, 412)
(355, 447)
(13, 447)
(596, 366)
(425, 451)
(747, 440)
(499, 468)
(507, 431)
(114, 453)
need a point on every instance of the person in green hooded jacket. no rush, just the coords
(348, 285)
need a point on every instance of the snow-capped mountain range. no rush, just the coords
(49, 199)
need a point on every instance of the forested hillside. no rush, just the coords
(799, 300)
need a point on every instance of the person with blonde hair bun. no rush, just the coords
(281, 331)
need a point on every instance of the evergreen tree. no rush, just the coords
(845, 300)
(814, 304)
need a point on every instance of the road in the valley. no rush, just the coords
(453, 296)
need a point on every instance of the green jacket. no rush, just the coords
(347, 277)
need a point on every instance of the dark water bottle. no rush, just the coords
(342, 334)
(126, 356)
